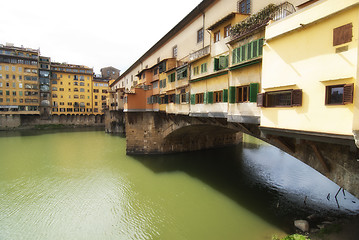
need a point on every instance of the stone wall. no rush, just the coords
(154, 133)
(9, 121)
(114, 122)
(19, 121)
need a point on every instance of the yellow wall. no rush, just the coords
(305, 59)
(15, 89)
(66, 93)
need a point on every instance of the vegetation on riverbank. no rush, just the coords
(292, 237)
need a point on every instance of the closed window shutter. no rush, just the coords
(260, 47)
(297, 97)
(342, 34)
(205, 98)
(216, 64)
(348, 93)
(187, 97)
(177, 99)
(161, 84)
(249, 50)
(255, 48)
(210, 97)
(227, 61)
(166, 99)
(193, 99)
(225, 95)
(261, 100)
(234, 56)
(243, 53)
(232, 94)
(253, 91)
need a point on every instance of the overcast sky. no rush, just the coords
(95, 33)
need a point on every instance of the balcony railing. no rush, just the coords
(260, 19)
(200, 53)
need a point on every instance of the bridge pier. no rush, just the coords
(157, 133)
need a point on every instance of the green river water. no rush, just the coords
(82, 185)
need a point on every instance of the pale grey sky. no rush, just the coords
(95, 33)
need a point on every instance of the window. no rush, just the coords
(244, 6)
(242, 94)
(200, 35)
(199, 98)
(247, 93)
(195, 70)
(248, 51)
(20, 69)
(218, 96)
(220, 63)
(227, 30)
(13, 68)
(172, 77)
(174, 53)
(286, 98)
(342, 34)
(339, 94)
(155, 84)
(203, 67)
(217, 36)
(182, 73)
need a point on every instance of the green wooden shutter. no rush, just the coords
(255, 48)
(177, 101)
(243, 52)
(193, 99)
(216, 64)
(210, 97)
(249, 51)
(260, 46)
(232, 94)
(187, 97)
(161, 84)
(205, 97)
(234, 56)
(253, 91)
(225, 95)
(226, 61)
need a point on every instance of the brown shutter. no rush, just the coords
(261, 100)
(342, 34)
(348, 93)
(297, 97)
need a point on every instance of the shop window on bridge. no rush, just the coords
(246, 93)
(339, 94)
(182, 73)
(172, 98)
(218, 96)
(172, 77)
(220, 63)
(197, 98)
(248, 51)
(285, 98)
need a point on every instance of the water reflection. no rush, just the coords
(260, 177)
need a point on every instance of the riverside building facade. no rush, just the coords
(19, 85)
(31, 84)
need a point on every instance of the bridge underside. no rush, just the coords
(159, 133)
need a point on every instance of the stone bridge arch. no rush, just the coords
(156, 132)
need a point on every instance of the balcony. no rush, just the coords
(261, 19)
(200, 53)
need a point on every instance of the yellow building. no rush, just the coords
(19, 85)
(100, 95)
(310, 71)
(71, 89)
